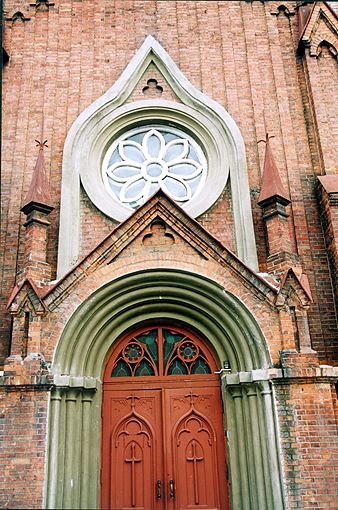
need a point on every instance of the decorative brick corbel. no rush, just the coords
(17, 15)
(42, 5)
(283, 8)
(317, 47)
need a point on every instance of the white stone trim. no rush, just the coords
(108, 116)
(95, 143)
(117, 177)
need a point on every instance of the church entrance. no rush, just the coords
(163, 441)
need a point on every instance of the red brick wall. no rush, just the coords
(309, 443)
(241, 54)
(23, 424)
(329, 220)
(66, 56)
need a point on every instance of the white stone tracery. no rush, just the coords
(146, 159)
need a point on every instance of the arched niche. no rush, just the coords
(85, 345)
(113, 114)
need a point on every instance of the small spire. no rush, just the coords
(271, 182)
(38, 192)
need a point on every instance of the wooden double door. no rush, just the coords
(162, 434)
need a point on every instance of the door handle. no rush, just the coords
(158, 489)
(171, 489)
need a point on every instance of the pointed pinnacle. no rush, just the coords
(38, 192)
(271, 182)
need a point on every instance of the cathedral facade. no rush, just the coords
(169, 255)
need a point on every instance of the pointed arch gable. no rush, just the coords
(110, 115)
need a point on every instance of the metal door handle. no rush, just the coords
(171, 489)
(158, 489)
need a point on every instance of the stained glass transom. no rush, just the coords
(146, 159)
(160, 351)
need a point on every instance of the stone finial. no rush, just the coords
(272, 187)
(38, 195)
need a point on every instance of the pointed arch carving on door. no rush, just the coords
(133, 440)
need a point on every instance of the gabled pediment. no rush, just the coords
(318, 24)
(158, 226)
(26, 298)
(295, 289)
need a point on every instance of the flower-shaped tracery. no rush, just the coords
(147, 159)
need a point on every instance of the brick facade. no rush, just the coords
(273, 67)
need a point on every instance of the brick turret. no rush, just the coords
(37, 207)
(274, 199)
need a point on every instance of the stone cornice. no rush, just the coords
(283, 376)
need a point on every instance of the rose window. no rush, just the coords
(144, 160)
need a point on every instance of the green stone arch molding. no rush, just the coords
(123, 304)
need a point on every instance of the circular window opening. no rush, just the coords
(149, 158)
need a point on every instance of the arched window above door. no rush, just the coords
(160, 351)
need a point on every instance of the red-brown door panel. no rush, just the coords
(131, 449)
(195, 452)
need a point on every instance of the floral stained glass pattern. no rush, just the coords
(150, 158)
(160, 351)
